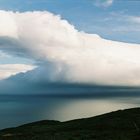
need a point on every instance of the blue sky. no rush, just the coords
(118, 21)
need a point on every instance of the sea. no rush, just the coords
(16, 110)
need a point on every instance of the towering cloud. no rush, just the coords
(64, 54)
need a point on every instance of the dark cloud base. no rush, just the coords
(21, 84)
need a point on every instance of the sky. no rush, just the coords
(52, 43)
(111, 19)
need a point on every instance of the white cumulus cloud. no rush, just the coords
(66, 54)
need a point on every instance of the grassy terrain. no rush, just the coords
(119, 125)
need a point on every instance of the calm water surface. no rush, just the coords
(16, 110)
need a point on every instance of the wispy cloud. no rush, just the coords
(121, 16)
(121, 22)
(134, 19)
(3, 55)
(103, 3)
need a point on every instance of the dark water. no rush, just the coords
(16, 110)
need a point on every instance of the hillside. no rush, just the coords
(118, 125)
